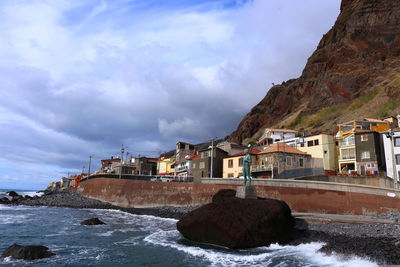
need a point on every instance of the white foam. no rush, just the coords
(307, 253)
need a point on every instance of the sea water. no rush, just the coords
(136, 240)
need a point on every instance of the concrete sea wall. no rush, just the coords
(301, 196)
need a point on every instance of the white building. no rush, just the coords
(271, 136)
(391, 144)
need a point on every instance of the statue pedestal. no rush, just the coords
(246, 192)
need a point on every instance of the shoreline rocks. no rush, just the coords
(343, 238)
(32, 252)
(92, 221)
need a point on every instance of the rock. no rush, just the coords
(27, 252)
(12, 194)
(4, 200)
(238, 223)
(17, 198)
(92, 221)
(223, 194)
(359, 58)
(27, 197)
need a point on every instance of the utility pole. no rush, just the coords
(121, 160)
(83, 169)
(212, 157)
(90, 163)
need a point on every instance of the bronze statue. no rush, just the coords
(246, 168)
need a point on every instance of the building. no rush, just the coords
(165, 166)
(360, 153)
(230, 148)
(322, 149)
(281, 161)
(359, 146)
(108, 165)
(205, 165)
(183, 170)
(183, 150)
(391, 144)
(143, 165)
(359, 126)
(271, 136)
(233, 165)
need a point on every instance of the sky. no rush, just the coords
(83, 77)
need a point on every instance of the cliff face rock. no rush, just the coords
(354, 71)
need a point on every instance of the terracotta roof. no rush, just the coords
(253, 151)
(281, 147)
(280, 130)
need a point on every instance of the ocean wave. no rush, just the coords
(304, 254)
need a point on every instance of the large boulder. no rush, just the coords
(238, 223)
(27, 252)
(92, 221)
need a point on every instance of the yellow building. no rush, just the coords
(322, 149)
(165, 166)
(365, 125)
(232, 166)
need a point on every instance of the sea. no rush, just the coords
(136, 240)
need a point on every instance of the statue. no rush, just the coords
(246, 168)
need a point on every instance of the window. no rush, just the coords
(301, 162)
(230, 175)
(302, 144)
(191, 147)
(202, 165)
(194, 165)
(365, 155)
(398, 159)
(230, 163)
(397, 141)
(364, 138)
(240, 161)
(289, 161)
(316, 142)
(310, 143)
(182, 146)
(348, 153)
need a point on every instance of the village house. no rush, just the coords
(281, 161)
(108, 165)
(207, 165)
(322, 148)
(359, 146)
(165, 165)
(230, 148)
(271, 136)
(143, 165)
(391, 143)
(233, 165)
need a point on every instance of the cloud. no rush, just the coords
(83, 77)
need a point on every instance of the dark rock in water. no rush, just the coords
(27, 252)
(239, 223)
(27, 197)
(4, 200)
(12, 194)
(17, 198)
(92, 221)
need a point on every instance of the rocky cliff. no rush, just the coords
(353, 73)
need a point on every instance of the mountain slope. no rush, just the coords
(354, 73)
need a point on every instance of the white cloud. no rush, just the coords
(84, 77)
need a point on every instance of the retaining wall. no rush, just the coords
(301, 196)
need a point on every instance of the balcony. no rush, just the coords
(347, 157)
(261, 168)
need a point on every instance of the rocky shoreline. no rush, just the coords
(377, 242)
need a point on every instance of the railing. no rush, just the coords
(347, 157)
(350, 142)
(261, 168)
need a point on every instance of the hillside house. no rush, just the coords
(233, 165)
(281, 161)
(207, 165)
